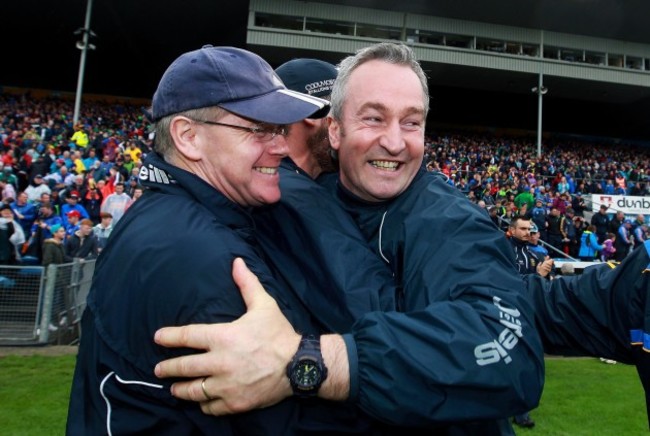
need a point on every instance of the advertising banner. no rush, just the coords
(621, 203)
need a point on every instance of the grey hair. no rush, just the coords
(389, 52)
(164, 143)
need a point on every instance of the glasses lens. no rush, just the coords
(264, 135)
(268, 132)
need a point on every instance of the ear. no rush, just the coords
(184, 134)
(311, 122)
(334, 130)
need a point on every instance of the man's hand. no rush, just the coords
(545, 268)
(245, 361)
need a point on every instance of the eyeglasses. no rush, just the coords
(261, 133)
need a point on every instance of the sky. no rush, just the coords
(136, 40)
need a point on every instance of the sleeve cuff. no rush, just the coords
(353, 361)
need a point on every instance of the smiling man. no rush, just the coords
(220, 116)
(458, 350)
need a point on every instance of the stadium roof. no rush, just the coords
(615, 19)
(136, 40)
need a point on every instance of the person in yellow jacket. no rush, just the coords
(80, 137)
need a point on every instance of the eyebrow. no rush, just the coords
(383, 108)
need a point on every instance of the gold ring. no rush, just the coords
(205, 391)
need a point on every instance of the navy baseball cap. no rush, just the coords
(309, 76)
(236, 80)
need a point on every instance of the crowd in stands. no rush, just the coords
(53, 171)
(505, 176)
(77, 176)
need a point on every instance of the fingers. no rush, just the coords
(200, 390)
(250, 287)
(190, 336)
(219, 407)
(196, 365)
(205, 390)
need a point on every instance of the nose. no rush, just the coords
(392, 138)
(278, 146)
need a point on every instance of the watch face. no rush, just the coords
(306, 374)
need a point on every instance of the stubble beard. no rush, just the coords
(319, 146)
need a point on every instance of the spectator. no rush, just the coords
(46, 219)
(37, 188)
(54, 254)
(78, 164)
(554, 229)
(608, 247)
(71, 225)
(131, 184)
(103, 171)
(72, 204)
(24, 211)
(589, 246)
(534, 245)
(91, 159)
(82, 243)
(525, 198)
(578, 204)
(123, 172)
(623, 241)
(616, 222)
(8, 229)
(492, 212)
(103, 230)
(538, 216)
(61, 179)
(563, 186)
(133, 150)
(53, 249)
(600, 221)
(560, 202)
(46, 198)
(128, 163)
(137, 193)
(8, 176)
(639, 235)
(528, 262)
(39, 167)
(92, 201)
(116, 203)
(571, 238)
(80, 138)
(79, 186)
(8, 191)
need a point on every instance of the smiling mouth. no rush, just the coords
(266, 170)
(385, 165)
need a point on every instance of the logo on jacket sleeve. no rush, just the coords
(498, 349)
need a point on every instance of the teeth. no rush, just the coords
(266, 170)
(384, 164)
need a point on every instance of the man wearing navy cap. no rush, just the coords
(221, 117)
(309, 146)
(421, 358)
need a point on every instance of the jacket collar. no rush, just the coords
(158, 175)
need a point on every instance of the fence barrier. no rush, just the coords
(40, 305)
